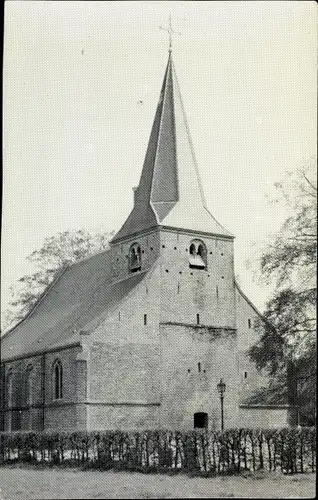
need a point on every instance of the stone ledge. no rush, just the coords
(216, 329)
(57, 404)
(266, 407)
(103, 403)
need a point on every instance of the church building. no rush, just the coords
(139, 336)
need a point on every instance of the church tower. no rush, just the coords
(193, 303)
(170, 211)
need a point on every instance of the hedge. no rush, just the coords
(231, 451)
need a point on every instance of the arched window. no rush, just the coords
(9, 387)
(134, 258)
(29, 385)
(57, 380)
(197, 255)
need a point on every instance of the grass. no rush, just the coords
(31, 482)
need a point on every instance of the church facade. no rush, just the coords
(139, 336)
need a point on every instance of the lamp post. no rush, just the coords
(221, 386)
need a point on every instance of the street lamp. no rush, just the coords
(221, 386)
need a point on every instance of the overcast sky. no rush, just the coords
(75, 136)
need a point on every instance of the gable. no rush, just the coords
(82, 292)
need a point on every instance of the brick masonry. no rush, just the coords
(155, 358)
(43, 412)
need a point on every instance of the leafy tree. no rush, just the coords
(57, 251)
(287, 343)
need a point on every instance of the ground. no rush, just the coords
(31, 483)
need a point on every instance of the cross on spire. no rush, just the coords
(170, 31)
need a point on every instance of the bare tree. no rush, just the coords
(57, 251)
(287, 344)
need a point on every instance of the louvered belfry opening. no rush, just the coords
(135, 258)
(197, 255)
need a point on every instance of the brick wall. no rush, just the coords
(250, 378)
(124, 417)
(62, 415)
(125, 323)
(57, 415)
(186, 292)
(263, 417)
(123, 391)
(125, 373)
(124, 362)
(21, 416)
(150, 247)
(125, 365)
(184, 389)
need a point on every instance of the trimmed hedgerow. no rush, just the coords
(212, 452)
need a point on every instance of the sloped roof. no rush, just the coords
(170, 192)
(79, 295)
(248, 300)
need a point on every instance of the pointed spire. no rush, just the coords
(170, 193)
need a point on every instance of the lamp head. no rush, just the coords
(221, 386)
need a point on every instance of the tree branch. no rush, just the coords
(310, 184)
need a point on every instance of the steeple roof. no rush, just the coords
(170, 193)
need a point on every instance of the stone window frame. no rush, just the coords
(57, 380)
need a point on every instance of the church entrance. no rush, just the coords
(200, 420)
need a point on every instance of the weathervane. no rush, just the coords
(170, 31)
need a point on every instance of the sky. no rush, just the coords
(75, 133)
